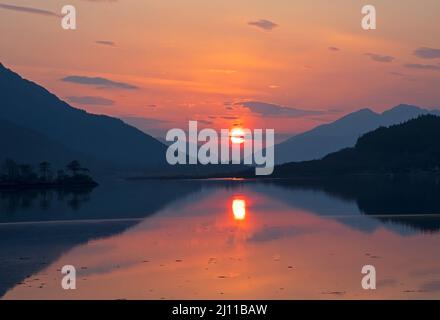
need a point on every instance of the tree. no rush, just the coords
(74, 167)
(11, 169)
(26, 171)
(44, 169)
(61, 175)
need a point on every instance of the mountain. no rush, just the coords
(342, 133)
(27, 146)
(107, 140)
(405, 148)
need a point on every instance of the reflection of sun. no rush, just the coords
(237, 135)
(239, 209)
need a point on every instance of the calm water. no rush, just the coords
(223, 240)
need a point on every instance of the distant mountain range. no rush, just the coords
(36, 125)
(410, 147)
(342, 133)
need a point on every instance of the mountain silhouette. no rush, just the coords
(28, 146)
(411, 147)
(67, 130)
(342, 133)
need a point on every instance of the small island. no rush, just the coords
(23, 176)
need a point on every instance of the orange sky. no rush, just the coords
(198, 60)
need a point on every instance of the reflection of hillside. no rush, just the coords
(15, 200)
(111, 200)
(26, 249)
(31, 238)
(399, 199)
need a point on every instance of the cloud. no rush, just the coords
(398, 74)
(433, 286)
(29, 10)
(141, 121)
(423, 66)
(263, 24)
(223, 71)
(90, 100)
(105, 43)
(427, 53)
(98, 81)
(390, 282)
(380, 58)
(206, 122)
(426, 272)
(274, 110)
(334, 49)
(229, 117)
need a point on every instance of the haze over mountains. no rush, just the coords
(56, 131)
(342, 133)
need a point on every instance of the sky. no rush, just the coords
(287, 65)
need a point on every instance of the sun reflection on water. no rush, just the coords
(239, 209)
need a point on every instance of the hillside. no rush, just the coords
(405, 148)
(342, 133)
(27, 146)
(106, 139)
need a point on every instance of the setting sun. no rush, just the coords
(237, 135)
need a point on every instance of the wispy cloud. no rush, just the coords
(90, 100)
(106, 43)
(380, 58)
(29, 10)
(229, 117)
(334, 49)
(274, 110)
(141, 121)
(432, 286)
(427, 53)
(99, 82)
(263, 24)
(224, 71)
(423, 66)
(398, 74)
(205, 122)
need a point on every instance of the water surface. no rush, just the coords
(223, 240)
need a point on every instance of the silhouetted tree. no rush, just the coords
(11, 169)
(23, 175)
(26, 171)
(61, 175)
(74, 167)
(44, 169)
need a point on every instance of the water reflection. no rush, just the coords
(411, 202)
(15, 201)
(236, 240)
(239, 209)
